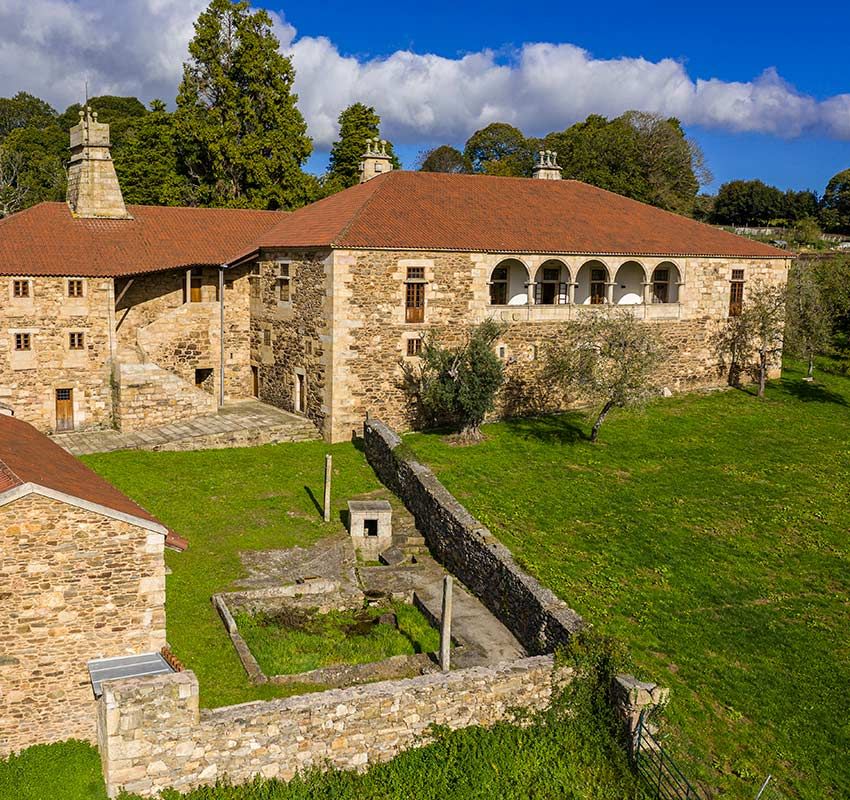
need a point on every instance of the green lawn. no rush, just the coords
(223, 502)
(338, 637)
(710, 533)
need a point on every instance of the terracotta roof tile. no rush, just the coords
(48, 240)
(434, 211)
(28, 456)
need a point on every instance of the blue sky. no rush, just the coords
(763, 88)
(729, 41)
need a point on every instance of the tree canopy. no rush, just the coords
(357, 124)
(444, 158)
(835, 205)
(499, 149)
(241, 139)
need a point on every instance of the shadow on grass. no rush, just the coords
(316, 503)
(557, 428)
(811, 392)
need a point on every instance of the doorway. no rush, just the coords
(64, 409)
(299, 399)
(255, 381)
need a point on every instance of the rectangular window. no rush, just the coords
(284, 292)
(499, 287)
(503, 352)
(736, 293)
(414, 347)
(75, 341)
(416, 273)
(597, 287)
(414, 303)
(23, 341)
(75, 288)
(21, 288)
(267, 337)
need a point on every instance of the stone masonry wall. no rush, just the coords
(29, 379)
(152, 734)
(534, 614)
(370, 332)
(288, 337)
(75, 586)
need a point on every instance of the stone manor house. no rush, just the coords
(131, 316)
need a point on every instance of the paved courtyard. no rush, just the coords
(239, 424)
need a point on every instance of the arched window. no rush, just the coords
(508, 284)
(665, 283)
(551, 284)
(592, 283)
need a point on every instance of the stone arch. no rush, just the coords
(666, 278)
(629, 282)
(592, 281)
(551, 283)
(509, 283)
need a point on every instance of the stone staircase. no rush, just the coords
(146, 395)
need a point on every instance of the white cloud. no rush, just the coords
(51, 47)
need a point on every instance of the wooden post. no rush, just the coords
(446, 625)
(328, 469)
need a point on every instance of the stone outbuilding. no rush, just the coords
(82, 577)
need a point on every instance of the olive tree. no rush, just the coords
(752, 340)
(456, 386)
(810, 316)
(608, 358)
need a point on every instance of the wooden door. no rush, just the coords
(64, 409)
(415, 303)
(195, 282)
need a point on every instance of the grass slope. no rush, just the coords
(710, 532)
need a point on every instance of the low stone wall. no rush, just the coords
(152, 734)
(534, 614)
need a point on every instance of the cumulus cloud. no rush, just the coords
(52, 47)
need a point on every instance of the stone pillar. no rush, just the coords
(634, 697)
(609, 293)
(647, 293)
(446, 625)
(571, 293)
(529, 288)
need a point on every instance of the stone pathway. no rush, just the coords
(245, 423)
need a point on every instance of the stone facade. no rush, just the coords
(48, 315)
(534, 614)
(356, 303)
(76, 585)
(152, 734)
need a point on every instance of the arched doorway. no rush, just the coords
(551, 284)
(592, 283)
(665, 283)
(508, 283)
(628, 284)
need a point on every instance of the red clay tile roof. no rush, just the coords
(48, 240)
(433, 211)
(28, 456)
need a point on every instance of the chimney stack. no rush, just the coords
(93, 189)
(375, 160)
(546, 167)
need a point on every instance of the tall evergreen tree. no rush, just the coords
(357, 123)
(241, 139)
(146, 162)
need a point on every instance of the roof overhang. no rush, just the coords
(25, 489)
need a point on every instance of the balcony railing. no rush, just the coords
(542, 313)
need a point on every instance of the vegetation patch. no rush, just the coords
(293, 641)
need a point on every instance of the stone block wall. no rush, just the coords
(152, 734)
(294, 335)
(534, 614)
(29, 379)
(367, 316)
(74, 585)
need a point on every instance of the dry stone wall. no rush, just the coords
(152, 734)
(534, 614)
(75, 586)
(29, 379)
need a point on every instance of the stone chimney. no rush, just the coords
(93, 190)
(546, 167)
(375, 160)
